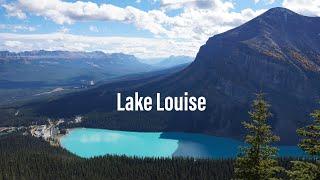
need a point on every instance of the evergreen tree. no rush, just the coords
(303, 171)
(257, 160)
(310, 143)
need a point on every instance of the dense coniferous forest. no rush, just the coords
(26, 157)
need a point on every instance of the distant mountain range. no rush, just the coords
(52, 66)
(174, 61)
(25, 74)
(57, 66)
(277, 53)
(168, 62)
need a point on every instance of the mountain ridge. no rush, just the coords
(36, 54)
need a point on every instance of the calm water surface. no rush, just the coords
(86, 142)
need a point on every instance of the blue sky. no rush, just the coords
(109, 28)
(145, 28)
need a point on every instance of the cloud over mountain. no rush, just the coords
(198, 20)
(178, 22)
(141, 47)
(305, 7)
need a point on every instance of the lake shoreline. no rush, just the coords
(194, 145)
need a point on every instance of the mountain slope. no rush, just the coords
(277, 53)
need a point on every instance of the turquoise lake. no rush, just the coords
(86, 142)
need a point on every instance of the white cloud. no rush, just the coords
(199, 4)
(62, 12)
(12, 44)
(14, 10)
(272, 1)
(182, 34)
(17, 27)
(140, 47)
(199, 19)
(306, 7)
(93, 28)
(265, 1)
(64, 30)
(200, 24)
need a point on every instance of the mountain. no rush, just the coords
(60, 66)
(31, 55)
(54, 68)
(174, 61)
(277, 53)
(32, 73)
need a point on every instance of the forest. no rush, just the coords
(26, 157)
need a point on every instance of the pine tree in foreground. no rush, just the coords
(257, 160)
(310, 144)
